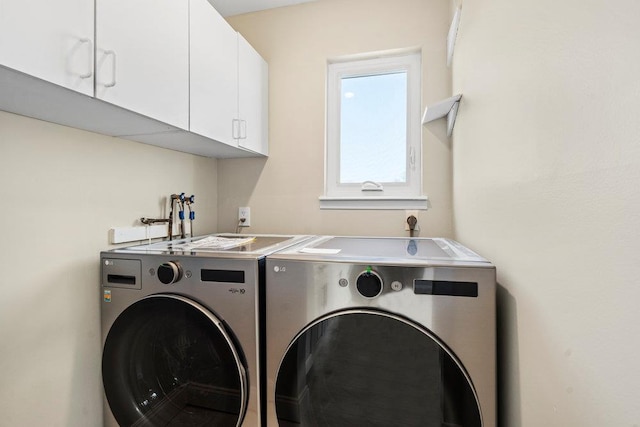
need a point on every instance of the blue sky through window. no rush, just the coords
(373, 132)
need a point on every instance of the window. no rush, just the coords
(373, 156)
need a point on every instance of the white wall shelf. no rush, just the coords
(446, 108)
(451, 37)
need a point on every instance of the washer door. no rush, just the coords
(169, 361)
(370, 368)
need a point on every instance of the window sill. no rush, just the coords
(375, 203)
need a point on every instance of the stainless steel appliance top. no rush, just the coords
(384, 250)
(220, 245)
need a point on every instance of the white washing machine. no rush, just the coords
(380, 332)
(182, 338)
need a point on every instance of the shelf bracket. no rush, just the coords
(446, 108)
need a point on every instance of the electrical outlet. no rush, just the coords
(407, 214)
(244, 217)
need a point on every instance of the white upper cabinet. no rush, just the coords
(51, 40)
(253, 99)
(142, 57)
(171, 73)
(214, 74)
(229, 83)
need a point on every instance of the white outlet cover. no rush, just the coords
(244, 213)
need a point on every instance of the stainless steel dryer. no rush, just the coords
(181, 331)
(380, 332)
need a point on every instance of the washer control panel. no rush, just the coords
(377, 280)
(370, 284)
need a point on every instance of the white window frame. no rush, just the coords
(369, 196)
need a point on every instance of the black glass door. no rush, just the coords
(167, 361)
(369, 368)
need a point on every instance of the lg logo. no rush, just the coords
(279, 269)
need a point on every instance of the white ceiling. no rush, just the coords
(237, 7)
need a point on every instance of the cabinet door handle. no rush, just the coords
(243, 129)
(235, 129)
(111, 53)
(89, 44)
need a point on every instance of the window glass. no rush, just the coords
(373, 128)
(370, 369)
(166, 363)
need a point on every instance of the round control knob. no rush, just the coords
(369, 284)
(169, 272)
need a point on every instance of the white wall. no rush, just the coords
(283, 190)
(62, 189)
(546, 185)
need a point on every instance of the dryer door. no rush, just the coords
(372, 368)
(167, 360)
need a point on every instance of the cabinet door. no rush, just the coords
(253, 98)
(51, 40)
(214, 74)
(142, 57)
